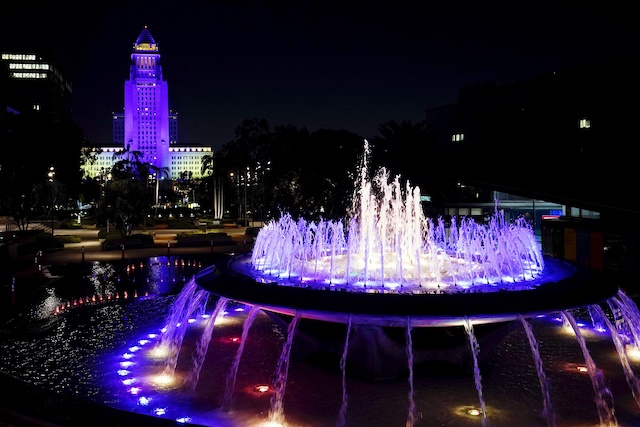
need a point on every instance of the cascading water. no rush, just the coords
(547, 409)
(276, 414)
(188, 302)
(603, 397)
(411, 417)
(634, 385)
(231, 377)
(475, 349)
(343, 369)
(618, 315)
(630, 317)
(203, 345)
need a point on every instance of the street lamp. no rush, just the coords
(105, 177)
(246, 179)
(51, 175)
(155, 176)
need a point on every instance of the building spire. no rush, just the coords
(145, 41)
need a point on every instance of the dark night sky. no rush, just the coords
(316, 64)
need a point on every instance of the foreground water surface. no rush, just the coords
(100, 347)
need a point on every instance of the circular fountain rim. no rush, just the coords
(577, 287)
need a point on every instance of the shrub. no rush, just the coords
(70, 224)
(68, 239)
(202, 239)
(136, 240)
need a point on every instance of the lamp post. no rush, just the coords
(105, 177)
(51, 176)
(156, 177)
(246, 179)
(236, 184)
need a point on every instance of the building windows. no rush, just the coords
(457, 137)
(585, 123)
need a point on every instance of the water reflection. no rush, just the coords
(102, 351)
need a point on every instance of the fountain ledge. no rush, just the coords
(568, 286)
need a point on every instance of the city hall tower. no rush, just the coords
(146, 104)
(147, 126)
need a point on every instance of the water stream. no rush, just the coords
(475, 349)
(203, 345)
(343, 369)
(547, 408)
(603, 397)
(411, 416)
(231, 377)
(276, 414)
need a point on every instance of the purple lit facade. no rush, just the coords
(146, 104)
(147, 125)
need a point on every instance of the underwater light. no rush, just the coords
(474, 412)
(134, 390)
(633, 352)
(159, 352)
(162, 379)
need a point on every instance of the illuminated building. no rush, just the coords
(147, 125)
(33, 83)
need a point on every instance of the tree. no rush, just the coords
(90, 187)
(409, 150)
(328, 179)
(21, 202)
(186, 187)
(122, 204)
(23, 168)
(312, 174)
(125, 198)
(402, 148)
(241, 161)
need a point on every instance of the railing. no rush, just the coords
(35, 225)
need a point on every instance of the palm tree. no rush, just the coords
(409, 149)
(401, 146)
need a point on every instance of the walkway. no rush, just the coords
(165, 244)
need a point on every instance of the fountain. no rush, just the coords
(416, 323)
(388, 268)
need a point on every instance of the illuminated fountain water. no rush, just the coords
(388, 266)
(388, 245)
(387, 262)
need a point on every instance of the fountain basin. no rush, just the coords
(563, 286)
